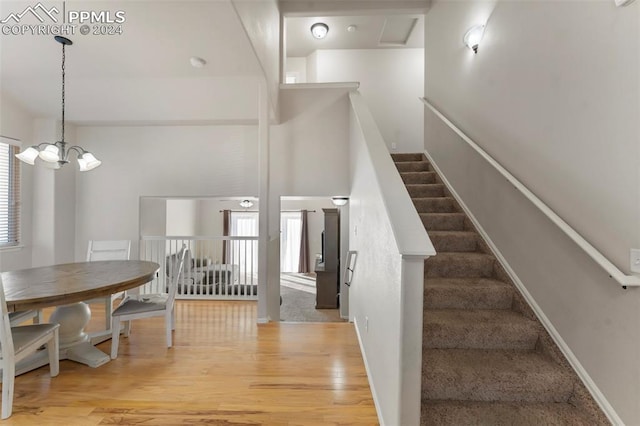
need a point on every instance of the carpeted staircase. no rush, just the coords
(486, 358)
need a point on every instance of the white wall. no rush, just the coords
(312, 67)
(391, 81)
(261, 21)
(553, 95)
(158, 161)
(16, 123)
(309, 149)
(298, 68)
(182, 217)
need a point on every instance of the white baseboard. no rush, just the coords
(597, 395)
(366, 367)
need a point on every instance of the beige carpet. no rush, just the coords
(299, 300)
(487, 360)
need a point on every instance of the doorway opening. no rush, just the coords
(303, 253)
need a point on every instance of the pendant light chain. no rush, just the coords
(56, 154)
(63, 75)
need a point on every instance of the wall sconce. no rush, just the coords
(473, 37)
(339, 201)
(319, 30)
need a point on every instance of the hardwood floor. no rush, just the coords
(224, 369)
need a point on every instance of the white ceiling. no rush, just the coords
(142, 75)
(370, 31)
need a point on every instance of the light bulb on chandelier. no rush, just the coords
(56, 155)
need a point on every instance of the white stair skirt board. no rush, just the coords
(575, 364)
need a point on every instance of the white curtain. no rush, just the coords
(290, 236)
(244, 224)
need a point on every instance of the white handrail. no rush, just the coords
(615, 273)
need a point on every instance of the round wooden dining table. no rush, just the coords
(66, 286)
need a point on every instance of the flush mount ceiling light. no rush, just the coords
(319, 30)
(56, 154)
(245, 204)
(339, 201)
(473, 37)
(197, 62)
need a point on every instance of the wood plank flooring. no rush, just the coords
(224, 369)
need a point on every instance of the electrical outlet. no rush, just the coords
(635, 260)
(366, 324)
(394, 146)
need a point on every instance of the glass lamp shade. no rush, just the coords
(54, 165)
(88, 162)
(319, 30)
(50, 154)
(28, 156)
(473, 37)
(246, 204)
(339, 201)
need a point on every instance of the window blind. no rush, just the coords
(9, 194)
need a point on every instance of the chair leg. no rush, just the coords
(39, 318)
(127, 328)
(108, 307)
(115, 336)
(8, 378)
(54, 354)
(167, 324)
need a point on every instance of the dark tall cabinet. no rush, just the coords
(328, 271)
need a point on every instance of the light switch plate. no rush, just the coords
(635, 260)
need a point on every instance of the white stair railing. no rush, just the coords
(621, 278)
(215, 267)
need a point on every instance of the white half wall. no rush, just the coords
(552, 95)
(391, 81)
(158, 161)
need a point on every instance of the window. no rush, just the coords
(9, 194)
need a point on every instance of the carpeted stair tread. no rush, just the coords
(476, 413)
(419, 177)
(435, 205)
(401, 157)
(413, 166)
(482, 364)
(425, 190)
(493, 375)
(467, 293)
(460, 265)
(443, 221)
(479, 329)
(454, 241)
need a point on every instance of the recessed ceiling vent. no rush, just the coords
(397, 30)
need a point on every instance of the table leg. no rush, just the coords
(75, 344)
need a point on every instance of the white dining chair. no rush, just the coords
(19, 342)
(108, 250)
(17, 318)
(147, 306)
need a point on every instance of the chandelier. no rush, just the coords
(56, 155)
